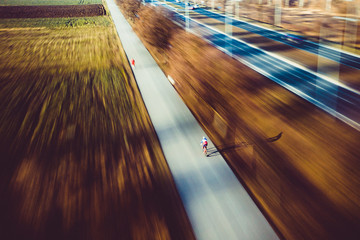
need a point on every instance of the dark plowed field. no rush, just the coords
(52, 11)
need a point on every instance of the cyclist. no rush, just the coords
(204, 144)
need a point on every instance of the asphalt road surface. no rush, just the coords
(292, 40)
(216, 203)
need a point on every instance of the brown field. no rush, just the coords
(59, 11)
(307, 181)
(79, 156)
(312, 21)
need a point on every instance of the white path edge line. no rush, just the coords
(279, 57)
(298, 92)
(272, 30)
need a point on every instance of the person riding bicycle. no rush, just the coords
(204, 142)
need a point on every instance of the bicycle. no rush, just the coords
(204, 144)
(205, 149)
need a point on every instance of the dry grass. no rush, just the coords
(313, 20)
(79, 156)
(49, 2)
(307, 182)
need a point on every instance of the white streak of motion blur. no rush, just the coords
(172, 81)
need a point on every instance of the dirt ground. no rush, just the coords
(299, 164)
(79, 156)
(306, 180)
(312, 22)
(52, 11)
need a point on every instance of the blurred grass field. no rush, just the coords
(47, 2)
(79, 156)
(53, 23)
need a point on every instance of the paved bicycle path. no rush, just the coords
(216, 203)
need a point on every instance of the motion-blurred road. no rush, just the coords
(292, 40)
(216, 203)
(335, 98)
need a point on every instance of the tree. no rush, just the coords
(155, 26)
(131, 8)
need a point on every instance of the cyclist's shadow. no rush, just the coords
(213, 151)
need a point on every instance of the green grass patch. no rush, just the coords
(47, 2)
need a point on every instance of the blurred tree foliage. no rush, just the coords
(131, 8)
(155, 26)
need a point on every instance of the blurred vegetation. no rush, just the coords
(319, 4)
(310, 20)
(131, 8)
(155, 27)
(54, 23)
(79, 156)
(308, 181)
(48, 2)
